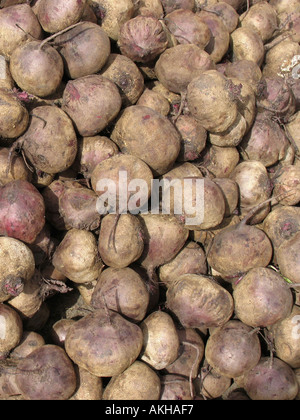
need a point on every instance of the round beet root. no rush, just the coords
(37, 68)
(142, 38)
(92, 102)
(233, 349)
(271, 379)
(262, 297)
(22, 211)
(50, 142)
(199, 301)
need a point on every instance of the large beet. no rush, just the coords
(84, 49)
(104, 343)
(238, 248)
(50, 142)
(262, 297)
(92, 102)
(17, 21)
(22, 211)
(199, 301)
(271, 379)
(145, 133)
(233, 349)
(37, 68)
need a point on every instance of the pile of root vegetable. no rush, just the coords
(136, 305)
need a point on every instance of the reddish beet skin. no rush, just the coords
(22, 211)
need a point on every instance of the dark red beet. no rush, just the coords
(22, 211)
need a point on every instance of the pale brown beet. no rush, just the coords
(160, 340)
(262, 297)
(271, 379)
(37, 68)
(142, 38)
(104, 343)
(187, 27)
(89, 386)
(124, 72)
(90, 119)
(246, 44)
(77, 256)
(29, 301)
(91, 151)
(50, 130)
(128, 242)
(233, 349)
(219, 161)
(191, 259)
(227, 251)
(85, 49)
(156, 141)
(199, 301)
(279, 58)
(14, 117)
(121, 171)
(17, 170)
(17, 21)
(53, 19)
(6, 81)
(190, 60)
(285, 336)
(22, 211)
(286, 185)
(211, 102)
(138, 382)
(287, 258)
(123, 290)
(17, 267)
(262, 18)
(46, 374)
(164, 237)
(210, 384)
(154, 100)
(11, 329)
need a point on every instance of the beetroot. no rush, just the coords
(142, 38)
(92, 102)
(54, 19)
(187, 28)
(37, 68)
(22, 211)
